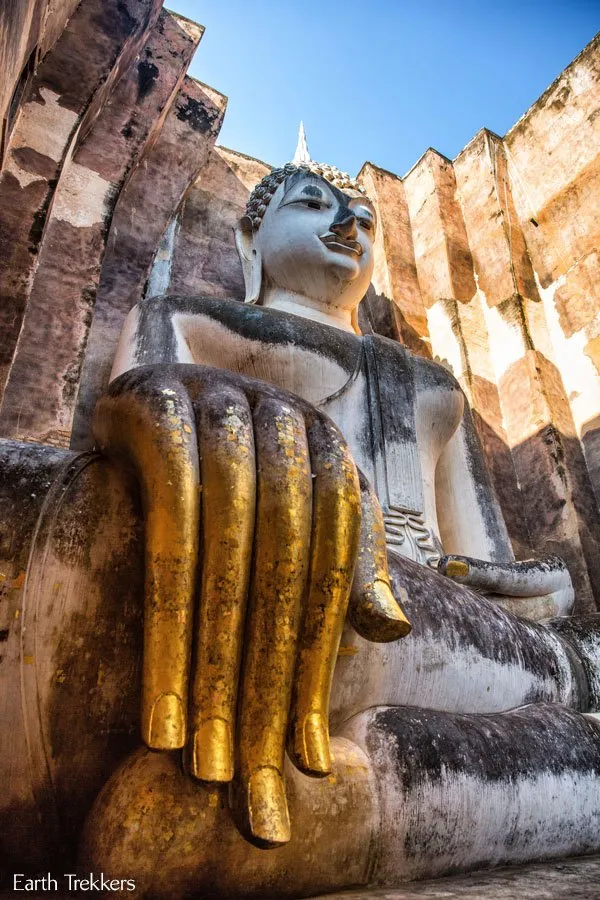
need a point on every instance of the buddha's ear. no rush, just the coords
(250, 257)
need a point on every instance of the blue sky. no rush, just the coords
(381, 79)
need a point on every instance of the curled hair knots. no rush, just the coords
(262, 194)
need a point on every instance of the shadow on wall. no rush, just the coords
(377, 314)
(204, 260)
(546, 482)
(591, 446)
(548, 502)
(559, 505)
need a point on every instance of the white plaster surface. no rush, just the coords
(81, 198)
(507, 338)
(462, 525)
(445, 342)
(436, 672)
(44, 127)
(473, 822)
(310, 375)
(579, 375)
(125, 355)
(459, 821)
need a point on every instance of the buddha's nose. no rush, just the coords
(345, 227)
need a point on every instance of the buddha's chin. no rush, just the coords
(344, 268)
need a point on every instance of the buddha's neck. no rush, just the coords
(299, 305)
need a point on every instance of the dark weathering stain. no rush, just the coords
(39, 218)
(32, 161)
(342, 198)
(521, 743)
(127, 22)
(197, 115)
(4, 634)
(427, 746)
(147, 75)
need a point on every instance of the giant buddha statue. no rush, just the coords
(346, 676)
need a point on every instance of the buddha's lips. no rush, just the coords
(343, 245)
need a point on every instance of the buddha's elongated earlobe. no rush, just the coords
(251, 259)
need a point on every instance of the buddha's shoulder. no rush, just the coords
(233, 314)
(432, 375)
(165, 305)
(428, 373)
(253, 323)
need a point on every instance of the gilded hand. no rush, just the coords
(254, 551)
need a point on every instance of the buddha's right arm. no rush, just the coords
(250, 499)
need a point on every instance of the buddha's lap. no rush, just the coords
(465, 654)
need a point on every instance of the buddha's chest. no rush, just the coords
(372, 399)
(309, 372)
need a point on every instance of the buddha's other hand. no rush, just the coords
(254, 549)
(546, 581)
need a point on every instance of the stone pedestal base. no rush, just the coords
(572, 879)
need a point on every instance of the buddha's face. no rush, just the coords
(317, 241)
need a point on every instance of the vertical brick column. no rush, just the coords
(41, 389)
(457, 325)
(553, 155)
(99, 41)
(547, 456)
(395, 275)
(147, 203)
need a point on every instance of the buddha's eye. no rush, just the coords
(313, 204)
(366, 224)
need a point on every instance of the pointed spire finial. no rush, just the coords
(301, 156)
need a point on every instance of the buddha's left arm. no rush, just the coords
(469, 515)
(475, 537)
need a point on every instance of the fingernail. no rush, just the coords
(389, 608)
(166, 725)
(269, 818)
(317, 756)
(456, 567)
(212, 751)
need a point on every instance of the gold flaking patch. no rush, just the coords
(457, 567)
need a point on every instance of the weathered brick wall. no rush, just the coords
(28, 29)
(108, 136)
(182, 150)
